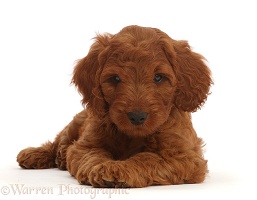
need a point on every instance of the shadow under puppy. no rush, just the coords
(139, 87)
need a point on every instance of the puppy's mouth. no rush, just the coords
(138, 131)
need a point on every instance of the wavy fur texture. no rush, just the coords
(139, 87)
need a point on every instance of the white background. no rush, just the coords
(41, 40)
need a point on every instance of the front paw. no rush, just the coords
(110, 174)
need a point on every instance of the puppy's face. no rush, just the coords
(138, 85)
(136, 76)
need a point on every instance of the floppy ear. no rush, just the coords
(87, 72)
(193, 76)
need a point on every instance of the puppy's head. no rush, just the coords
(136, 76)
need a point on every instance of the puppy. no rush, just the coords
(139, 87)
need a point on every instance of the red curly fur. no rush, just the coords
(138, 70)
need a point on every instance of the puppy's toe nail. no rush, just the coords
(109, 184)
(83, 182)
(123, 185)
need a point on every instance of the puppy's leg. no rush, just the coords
(81, 160)
(69, 135)
(51, 155)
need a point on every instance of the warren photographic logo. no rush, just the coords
(61, 190)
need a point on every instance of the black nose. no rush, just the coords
(137, 117)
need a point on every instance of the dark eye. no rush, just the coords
(157, 78)
(116, 79)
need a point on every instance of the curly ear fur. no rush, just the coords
(87, 72)
(193, 76)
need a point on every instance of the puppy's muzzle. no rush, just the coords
(137, 117)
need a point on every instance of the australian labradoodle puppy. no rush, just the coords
(139, 87)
